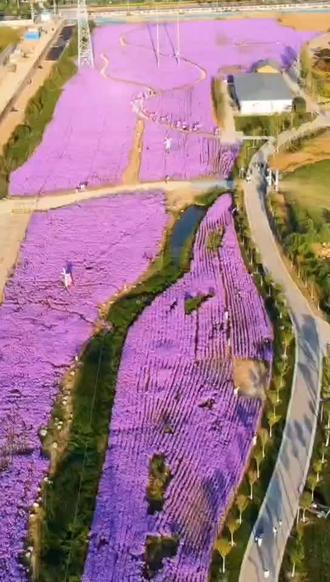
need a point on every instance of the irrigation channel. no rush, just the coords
(60, 537)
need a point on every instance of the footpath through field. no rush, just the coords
(312, 336)
(15, 213)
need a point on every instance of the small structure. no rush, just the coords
(258, 94)
(267, 66)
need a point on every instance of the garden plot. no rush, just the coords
(179, 417)
(108, 244)
(92, 134)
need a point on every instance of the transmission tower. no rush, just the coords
(85, 48)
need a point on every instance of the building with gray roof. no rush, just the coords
(260, 94)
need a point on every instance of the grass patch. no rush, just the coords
(8, 36)
(308, 186)
(302, 226)
(159, 478)
(191, 304)
(157, 549)
(214, 240)
(270, 125)
(68, 516)
(39, 112)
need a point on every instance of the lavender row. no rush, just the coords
(175, 396)
(105, 245)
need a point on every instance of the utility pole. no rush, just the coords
(85, 47)
(178, 47)
(157, 37)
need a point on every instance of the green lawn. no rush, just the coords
(8, 36)
(269, 124)
(309, 186)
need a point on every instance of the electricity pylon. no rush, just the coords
(85, 47)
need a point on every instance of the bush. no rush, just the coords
(299, 105)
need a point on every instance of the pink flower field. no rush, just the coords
(91, 136)
(175, 397)
(108, 243)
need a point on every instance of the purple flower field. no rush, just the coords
(175, 396)
(92, 133)
(109, 242)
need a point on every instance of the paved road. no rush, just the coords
(312, 335)
(197, 10)
(14, 81)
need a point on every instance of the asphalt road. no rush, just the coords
(312, 335)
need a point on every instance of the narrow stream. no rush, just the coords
(184, 228)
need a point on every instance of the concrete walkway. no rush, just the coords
(13, 82)
(312, 336)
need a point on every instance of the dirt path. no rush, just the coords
(132, 172)
(12, 232)
(15, 213)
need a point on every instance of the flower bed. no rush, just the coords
(175, 400)
(91, 135)
(109, 243)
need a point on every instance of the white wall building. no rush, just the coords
(260, 94)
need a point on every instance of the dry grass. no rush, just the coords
(313, 150)
(8, 36)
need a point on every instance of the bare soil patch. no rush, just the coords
(306, 21)
(251, 377)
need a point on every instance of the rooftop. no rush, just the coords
(267, 62)
(255, 86)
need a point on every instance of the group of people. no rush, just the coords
(165, 119)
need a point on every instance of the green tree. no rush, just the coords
(252, 478)
(272, 397)
(232, 524)
(264, 437)
(318, 466)
(323, 451)
(258, 456)
(272, 420)
(312, 482)
(296, 553)
(242, 503)
(223, 546)
(306, 501)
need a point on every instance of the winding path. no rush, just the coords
(312, 336)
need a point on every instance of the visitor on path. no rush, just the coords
(67, 276)
(168, 144)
